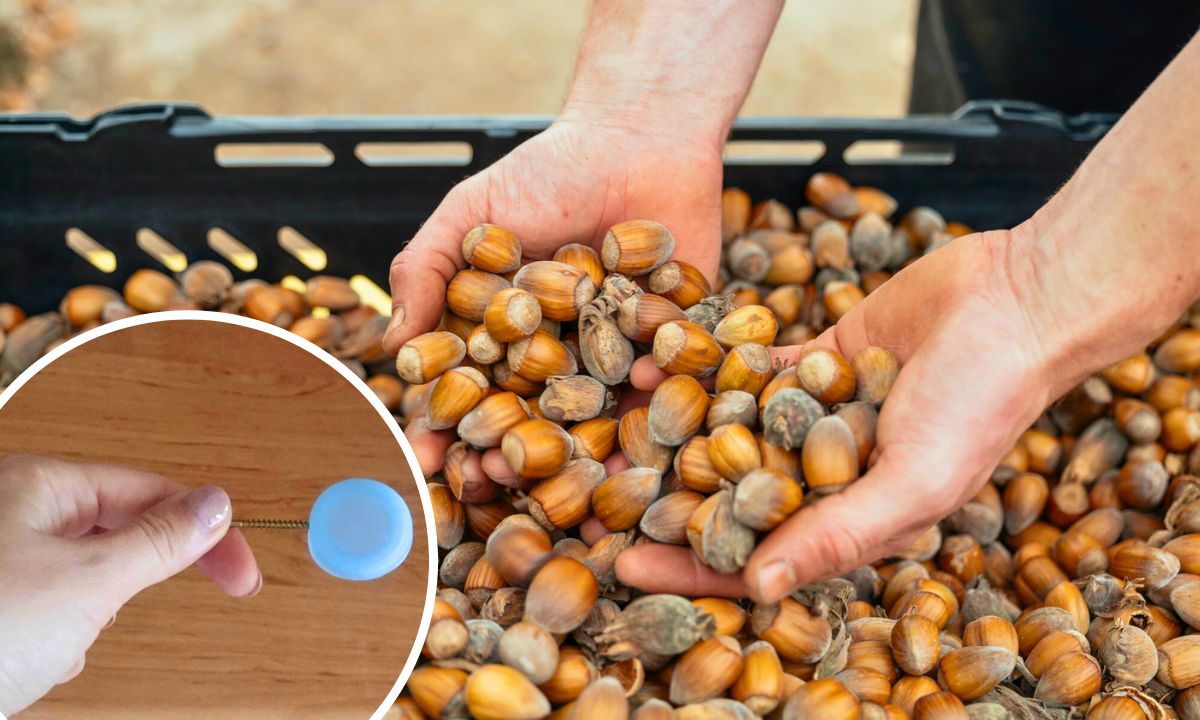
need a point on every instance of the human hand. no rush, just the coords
(568, 184)
(990, 328)
(640, 138)
(980, 360)
(78, 541)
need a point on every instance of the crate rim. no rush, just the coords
(185, 119)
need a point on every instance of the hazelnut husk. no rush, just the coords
(656, 624)
(607, 353)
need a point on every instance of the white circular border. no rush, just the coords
(312, 349)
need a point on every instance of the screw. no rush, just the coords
(257, 523)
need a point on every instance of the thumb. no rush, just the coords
(877, 515)
(420, 273)
(947, 421)
(162, 541)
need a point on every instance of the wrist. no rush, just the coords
(674, 71)
(646, 114)
(1090, 298)
(1051, 329)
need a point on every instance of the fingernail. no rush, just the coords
(257, 587)
(210, 505)
(776, 580)
(396, 321)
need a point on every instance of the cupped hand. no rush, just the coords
(568, 184)
(78, 541)
(976, 371)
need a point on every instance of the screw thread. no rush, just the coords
(266, 524)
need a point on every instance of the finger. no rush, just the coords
(846, 341)
(232, 567)
(496, 466)
(885, 318)
(847, 337)
(954, 410)
(420, 272)
(95, 497)
(428, 445)
(477, 487)
(898, 315)
(69, 499)
(616, 463)
(591, 530)
(905, 491)
(841, 532)
(658, 568)
(892, 317)
(645, 375)
(630, 399)
(74, 671)
(161, 542)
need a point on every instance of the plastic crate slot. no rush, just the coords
(293, 283)
(86, 247)
(157, 247)
(303, 249)
(230, 248)
(371, 294)
(247, 155)
(773, 152)
(414, 154)
(896, 152)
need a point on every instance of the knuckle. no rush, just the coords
(21, 464)
(459, 196)
(855, 550)
(401, 264)
(845, 543)
(899, 541)
(74, 670)
(696, 571)
(843, 549)
(159, 535)
(22, 474)
(459, 207)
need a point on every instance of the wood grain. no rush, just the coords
(207, 402)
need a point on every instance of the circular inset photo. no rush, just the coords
(202, 515)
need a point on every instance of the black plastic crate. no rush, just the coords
(154, 166)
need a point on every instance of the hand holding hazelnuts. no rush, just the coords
(565, 334)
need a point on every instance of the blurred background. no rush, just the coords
(827, 57)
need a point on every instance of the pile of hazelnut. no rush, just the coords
(1069, 586)
(325, 310)
(1065, 588)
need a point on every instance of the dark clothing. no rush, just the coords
(1072, 55)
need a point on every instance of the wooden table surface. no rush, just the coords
(207, 402)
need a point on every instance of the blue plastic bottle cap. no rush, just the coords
(359, 529)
